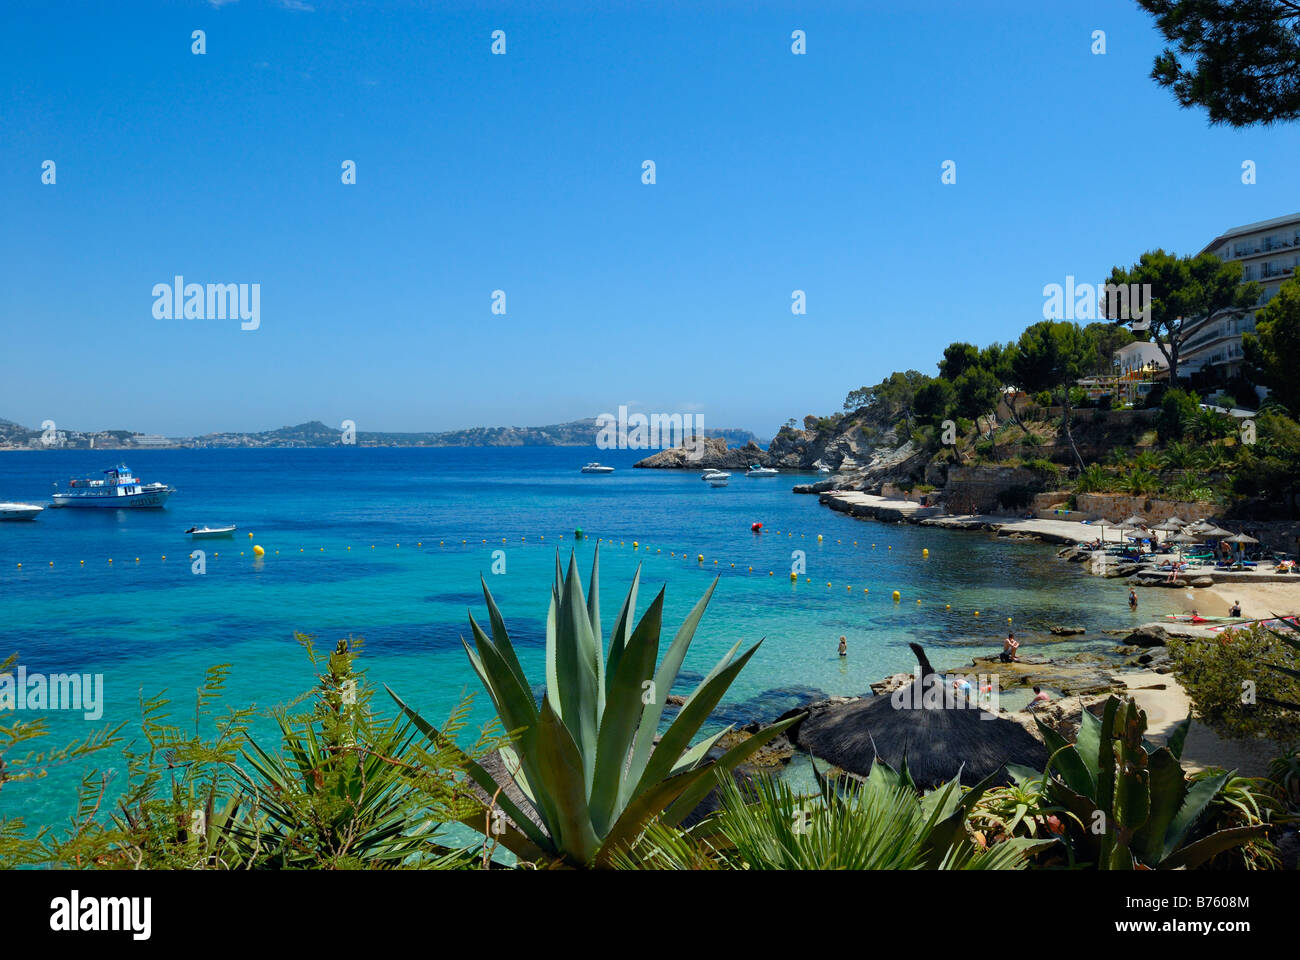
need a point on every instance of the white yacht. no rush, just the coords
(594, 467)
(119, 490)
(715, 475)
(756, 471)
(19, 511)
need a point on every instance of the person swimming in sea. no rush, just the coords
(844, 647)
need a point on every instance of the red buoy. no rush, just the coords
(756, 527)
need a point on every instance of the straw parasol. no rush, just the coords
(1241, 538)
(1214, 533)
(936, 733)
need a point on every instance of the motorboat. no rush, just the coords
(20, 511)
(211, 533)
(756, 471)
(715, 475)
(594, 467)
(118, 490)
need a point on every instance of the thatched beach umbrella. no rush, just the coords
(936, 732)
(1242, 538)
(1214, 533)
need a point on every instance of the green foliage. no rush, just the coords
(1273, 350)
(1249, 664)
(935, 401)
(345, 789)
(1237, 60)
(1177, 409)
(1130, 804)
(1183, 291)
(587, 760)
(1093, 479)
(893, 396)
(877, 823)
(1137, 482)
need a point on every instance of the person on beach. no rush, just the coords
(1009, 647)
(961, 687)
(1041, 696)
(1196, 618)
(1235, 609)
(1132, 599)
(844, 647)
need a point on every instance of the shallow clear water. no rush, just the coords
(331, 522)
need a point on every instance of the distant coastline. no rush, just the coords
(315, 434)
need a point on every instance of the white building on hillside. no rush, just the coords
(1269, 252)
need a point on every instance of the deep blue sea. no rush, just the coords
(388, 545)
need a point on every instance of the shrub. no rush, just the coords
(1215, 674)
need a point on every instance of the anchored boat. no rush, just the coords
(19, 511)
(211, 533)
(594, 467)
(119, 490)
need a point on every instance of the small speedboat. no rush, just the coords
(594, 467)
(715, 475)
(211, 533)
(19, 511)
(756, 471)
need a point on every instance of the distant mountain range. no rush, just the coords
(577, 433)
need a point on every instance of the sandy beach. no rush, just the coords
(1257, 599)
(1166, 703)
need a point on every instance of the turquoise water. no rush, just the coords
(368, 543)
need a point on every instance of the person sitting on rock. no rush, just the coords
(1235, 609)
(1041, 696)
(1009, 647)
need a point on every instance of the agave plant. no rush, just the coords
(585, 760)
(1130, 803)
(878, 823)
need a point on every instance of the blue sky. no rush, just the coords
(522, 172)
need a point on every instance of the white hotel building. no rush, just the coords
(1269, 252)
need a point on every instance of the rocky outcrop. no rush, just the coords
(714, 454)
(1149, 635)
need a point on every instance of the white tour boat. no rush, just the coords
(19, 511)
(594, 467)
(119, 490)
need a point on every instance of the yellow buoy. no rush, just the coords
(52, 562)
(947, 606)
(794, 577)
(250, 536)
(918, 600)
(258, 551)
(700, 557)
(977, 613)
(635, 545)
(828, 583)
(897, 596)
(819, 538)
(807, 579)
(82, 562)
(925, 552)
